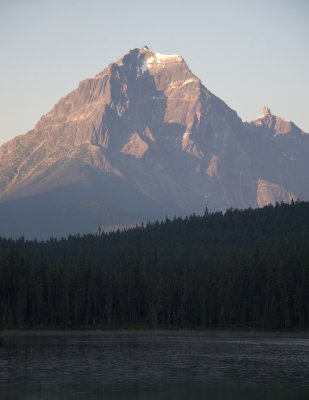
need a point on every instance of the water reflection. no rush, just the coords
(154, 365)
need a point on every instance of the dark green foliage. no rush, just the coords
(235, 269)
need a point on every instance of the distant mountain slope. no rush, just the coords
(141, 140)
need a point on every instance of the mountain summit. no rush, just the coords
(141, 140)
(277, 125)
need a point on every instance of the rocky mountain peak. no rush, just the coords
(142, 60)
(265, 111)
(141, 140)
(276, 125)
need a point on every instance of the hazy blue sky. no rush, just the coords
(249, 53)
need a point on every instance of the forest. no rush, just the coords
(234, 269)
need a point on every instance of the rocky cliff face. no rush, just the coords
(142, 140)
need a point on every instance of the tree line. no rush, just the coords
(233, 269)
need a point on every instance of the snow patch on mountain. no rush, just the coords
(158, 58)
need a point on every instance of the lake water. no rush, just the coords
(154, 365)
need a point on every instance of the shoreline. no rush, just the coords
(148, 329)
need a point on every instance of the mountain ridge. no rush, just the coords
(146, 130)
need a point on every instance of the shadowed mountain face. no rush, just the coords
(142, 140)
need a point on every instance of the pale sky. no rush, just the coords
(249, 53)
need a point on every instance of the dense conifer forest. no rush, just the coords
(237, 269)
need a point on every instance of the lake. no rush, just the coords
(154, 365)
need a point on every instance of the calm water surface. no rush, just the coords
(154, 365)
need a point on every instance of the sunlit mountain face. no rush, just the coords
(142, 140)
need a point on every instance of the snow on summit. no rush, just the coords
(148, 59)
(159, 58)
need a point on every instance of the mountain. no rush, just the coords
(277, 126)
(141, 140)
